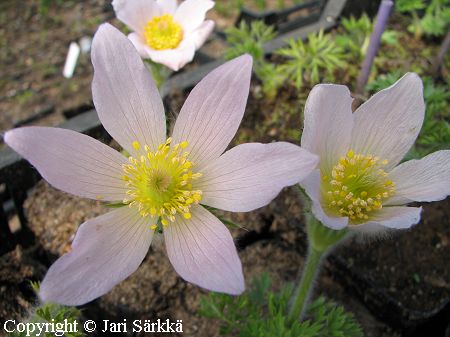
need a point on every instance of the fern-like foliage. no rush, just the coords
(407, 6)
(262, 313)
(355, 37)
(313, 60)
(433, 22)
(248, 38)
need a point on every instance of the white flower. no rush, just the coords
(165, 32)
(358, 183)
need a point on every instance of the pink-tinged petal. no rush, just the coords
(174, 59)
(106, 250)
(200, 35)
(191, 13)
(202, 252)
(211, 114)
(136, 13)
(125, 96)
(167, 6)
(388, 123)
(328, 123)
(250, 176)
(311, 186)
(71, 161)
(427, 179)
(399, 217)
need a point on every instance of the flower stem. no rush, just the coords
(303, 290)
(321, 239)
(159, 73)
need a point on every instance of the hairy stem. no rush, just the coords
(304, 288)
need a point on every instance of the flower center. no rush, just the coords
(162, 32)
(160, 183)
(357, 186)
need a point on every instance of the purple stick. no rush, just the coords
(382, 17)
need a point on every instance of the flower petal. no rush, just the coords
(191, 13)
(136, 13)
(388, 123)
(174, 59)
(398, 217)
(249, 176)
(312, 187)
(106, 250)
(125, 96)
(200, 35)
(211, 114)
(427, 179)
(202, 251)
(71, 161)
(328, 123)
(167, 6)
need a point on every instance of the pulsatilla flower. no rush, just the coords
(165, 32)
(358, 182)
(164, 182)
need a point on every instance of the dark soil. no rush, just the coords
(17, 269)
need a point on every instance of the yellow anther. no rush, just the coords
(153, 227)
(136, 145)
(350, 154)
(187, 216)
(184, 144)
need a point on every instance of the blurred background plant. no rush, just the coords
(427, 18)
(355, 37)
(312, 61)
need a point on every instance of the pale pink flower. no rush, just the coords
(166, 179)
(359, 182)
(164, 31)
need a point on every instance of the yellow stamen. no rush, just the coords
(160, 183)
(162, 33)
(359, 186)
